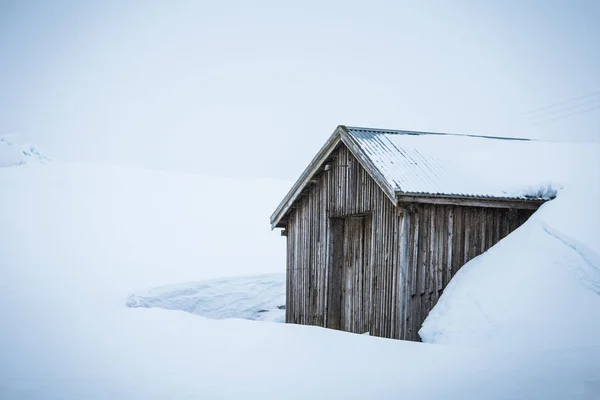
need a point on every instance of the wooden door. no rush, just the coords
(353, 267)
(350, 277)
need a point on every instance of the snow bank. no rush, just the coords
(259, 297)
(15, 152)
(539, 287)
(76, 240)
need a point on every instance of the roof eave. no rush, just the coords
(476, 201)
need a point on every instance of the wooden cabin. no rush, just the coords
(381, 220)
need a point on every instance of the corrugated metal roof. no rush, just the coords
(457, 165)
(451, 165)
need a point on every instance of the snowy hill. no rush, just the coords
(15, 152)
(80, 242)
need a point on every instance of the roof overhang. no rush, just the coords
(470, 201)
(397, 196)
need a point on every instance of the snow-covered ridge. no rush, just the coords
(14, 151)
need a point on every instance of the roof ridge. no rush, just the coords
(418, 133)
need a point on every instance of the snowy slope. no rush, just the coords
(151, 228)
(77, 240)
(14, 152)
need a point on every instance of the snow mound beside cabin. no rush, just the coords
(15, 152)
(259, 298)
(537, 288)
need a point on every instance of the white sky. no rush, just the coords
(255, 88)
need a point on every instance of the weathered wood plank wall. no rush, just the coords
(385, 273)
(315, 232)
(441, 239)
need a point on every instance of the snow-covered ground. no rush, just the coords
(80, 242)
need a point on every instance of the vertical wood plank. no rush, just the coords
(450, 245)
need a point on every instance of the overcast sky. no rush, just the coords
(255, 88)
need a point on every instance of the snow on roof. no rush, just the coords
(463, 165)
(451, 165)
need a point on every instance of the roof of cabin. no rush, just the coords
(442, 164)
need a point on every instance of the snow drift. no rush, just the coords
(258, 297)
(538, 287)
